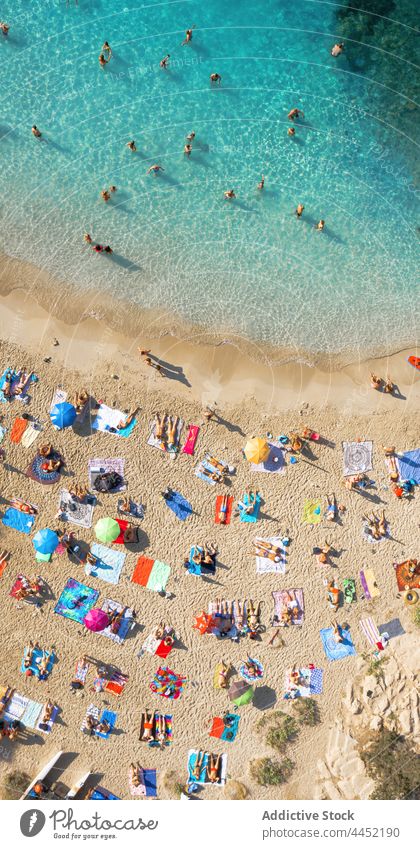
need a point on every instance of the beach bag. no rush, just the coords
(107, 481)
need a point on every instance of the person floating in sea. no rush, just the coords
(164, 62)
(215, 78)
(106, 50)
(155, 169)
(229, 195)
(295, 113)
(261, 183)
(188, 36)
(320, 225)
(103, 60)
(299, 210)
(105, 195)
(187, 149)
(337, 49)
(4, 28)
(36, 132)
(291, 131)
(131, 146)
(191, 136)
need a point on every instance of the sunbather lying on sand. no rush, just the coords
(28, 654)
(135, 774)
(160, 731)
(148, 721)
(250, 505)
(221, 467)
(222, 675)
(160, 422)
(337, 635)
(266, 549)
(331, 511)
(81, 400)
(47, 712)
(322, 553)
(173, 433)
(333, 595)
(213, 766)
(24, 376)
(253, 615)
(42, 663)
(198, 766)
(295, 442)
(214, 476)
(127, 421)
(23, 506)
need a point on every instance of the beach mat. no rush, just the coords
(393, 629)
(404, 579)
(36, 472)
(179, 505)
(192, 435)
(110, 464)
(337, 651)
(357, 457)
(225, 727)
(46, 727)
(282, 602)
(275, 462)
(36, 656)
(109, 564)
(107, 420)
(369, 585)
(31, 714)
(76, 512)
(161, 444)
(264, 564)
(125, 624)
(228, 513)
(250, 517)
(193, 755)
(110, 717)
(310, 683)
(31, 434)
(409, 465)
(370, 631)
(18, 429)
(76, 600)
(312, 512)
(152, 574)
(22, 522)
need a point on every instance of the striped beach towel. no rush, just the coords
(152, 574)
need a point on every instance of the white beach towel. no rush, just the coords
(59, 397)
(75, 512)
(357, 457)
(264, 564)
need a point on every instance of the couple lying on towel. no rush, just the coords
(212, 768)
(290, 610)
(166, 431)
(268, 550)
(247, 619)
(154, 728)
(21, 375)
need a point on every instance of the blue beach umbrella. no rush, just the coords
(63, 415)
(45, 541)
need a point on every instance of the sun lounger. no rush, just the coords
(179, 505)
(337, 651)
(152, 574)
(22, 522)
(357, 457)
(189, 445)
(109, 564)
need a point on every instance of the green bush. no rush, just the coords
(15, 784)
(270, 773)
(306, 710)
(416, 616)
(375, 665)
(279, 735)
(394, 766)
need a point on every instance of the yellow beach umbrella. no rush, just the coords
(257, 450)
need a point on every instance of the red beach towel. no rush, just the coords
(191, 439)
(142, 571)
(228, 513)
(18, 429)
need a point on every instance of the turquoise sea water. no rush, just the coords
(248, 266)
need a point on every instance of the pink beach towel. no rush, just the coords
(191, 439)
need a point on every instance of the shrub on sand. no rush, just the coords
(15, 784)
(235, 790)
(173, 784)
(269, 773)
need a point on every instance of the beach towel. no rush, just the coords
(22, 522)
(206, 465)
(108, 419)
(392, 629)
(225, 727)
(238, 628)
(189, 445)
(156, 645)
(18, 429)
(179, 505)
(92, 711)
(250, 517)
(81, 671)
(3, 432)
(193, 756)
(162, 444)
(227, 512)
(115, 685)
(251, 678)
(312, 512)
(216, 676)
(369, 585)
(275, 462)
(154, 744)
(37, 473)
(76, 512)
(109, 564)
(37, 654)
(309, 683)
(125, 624)
(369, 538)
(111, 464)
(357, 457)
(31, 434)
(405, 578)
(265, 564)
(42, 558)
(100, 794)
(110, 717)
(20, 582)
(76, 600)
(137, 789)
(409, 465)
(333, 650)
(31, 714)
(136, 509)
(150, 783)
(16, 707)
(14, 381)
(152, 574)
(46, 727)
(283, 602)
(369, 628)
(167, 683)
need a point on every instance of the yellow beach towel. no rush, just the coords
(312, 513)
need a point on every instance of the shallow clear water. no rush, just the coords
(248, 266)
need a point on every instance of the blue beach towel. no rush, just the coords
(192, 760)
(409, 465)
(36, 655)
(100, 794)
(110, 717)
(76, 600)
(333, 650)
(194, 568)
(109, 565)
(231, 731)
(250, 517)
(150, 782)
(14, 374)
(17, 520)
(179, 505)
(31, 714)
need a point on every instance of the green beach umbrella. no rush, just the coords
(241, 693)
(107, 530)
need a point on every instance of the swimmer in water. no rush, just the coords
(36, 132)
(4, 28)
(320, 225)
(215, 78)
(132, 146)
(188, 37)
(188, 149)
(105, 195)
(229, 195)
(106, 50)
(261, 183)
(337, 49)
(299, 209)
(112, 188)
(191, 136)
(102, 61)
(295, 113)
(87, 238)
(164, 62)
(155, 169)
(291, 131)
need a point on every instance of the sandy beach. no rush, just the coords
(253, 396)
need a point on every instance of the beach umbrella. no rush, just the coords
(240, 693)
(96, 620)
(257, 450)
(107, 530)
(63, 415)
(45, 541)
